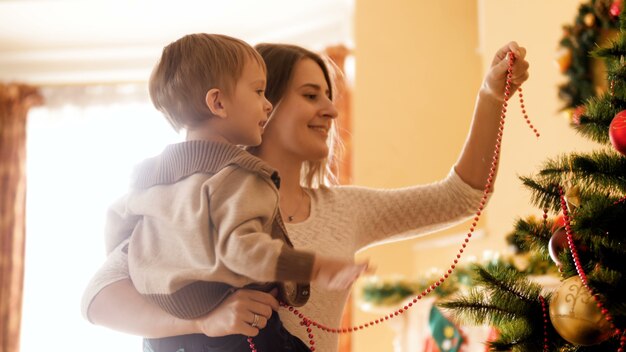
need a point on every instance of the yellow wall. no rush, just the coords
(418, 67)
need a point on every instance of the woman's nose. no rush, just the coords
(330, 110)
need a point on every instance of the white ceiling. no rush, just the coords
(93, 41)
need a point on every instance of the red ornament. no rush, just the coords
(617, 132)
(580, 110)
(558, 222)
(616, 8)
(557, 243)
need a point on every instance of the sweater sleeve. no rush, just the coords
(119, 224)
(114, 269)
(243, 208)
(118, 228)
(391, 214)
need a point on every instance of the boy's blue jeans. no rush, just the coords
(273, 338)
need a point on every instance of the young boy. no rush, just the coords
(203, 215)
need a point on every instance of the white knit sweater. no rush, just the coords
(343, 220)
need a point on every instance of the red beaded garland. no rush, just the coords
(545, 324)
(251, 344)
(581, 271)
(487, 190)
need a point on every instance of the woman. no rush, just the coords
(333, 220)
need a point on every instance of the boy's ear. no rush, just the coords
(215, 102)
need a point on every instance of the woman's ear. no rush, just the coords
(214, 100)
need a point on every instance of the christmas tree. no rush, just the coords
(582, 232)
(594, 24)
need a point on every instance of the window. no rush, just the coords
(81, 149)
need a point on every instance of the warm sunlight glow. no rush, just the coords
(79, 160)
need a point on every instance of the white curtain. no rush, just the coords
(82, 145)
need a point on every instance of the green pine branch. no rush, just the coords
(508, 284)
(516, 336)
(543, 194)
(599, 112)
(600, 222)
(615, 48)
(596, 172)
(532, 235)
(616, 72)
(504, 298)
(475, 308)
(505, 294)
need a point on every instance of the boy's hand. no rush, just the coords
(336, 274)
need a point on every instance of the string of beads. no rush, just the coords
(581, 272)
(308, 323)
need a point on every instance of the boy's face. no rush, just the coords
(248, 109)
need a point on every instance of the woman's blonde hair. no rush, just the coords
(280, 60)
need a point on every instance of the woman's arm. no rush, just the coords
(120, 307)
(392, 214)
(111, 300)
(382, 215)
(474, 163)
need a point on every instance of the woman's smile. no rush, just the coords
(321, 129)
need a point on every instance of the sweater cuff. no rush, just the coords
(294, 265)
(465, 187)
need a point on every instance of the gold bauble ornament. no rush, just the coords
(575, 314)
(589, 19)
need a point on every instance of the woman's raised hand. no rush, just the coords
(495, 79)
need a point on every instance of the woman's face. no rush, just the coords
(301, 122)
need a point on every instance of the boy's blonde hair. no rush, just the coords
(189, 68)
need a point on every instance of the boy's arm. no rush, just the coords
(119, 224)
(242, 210)
(111, 300)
